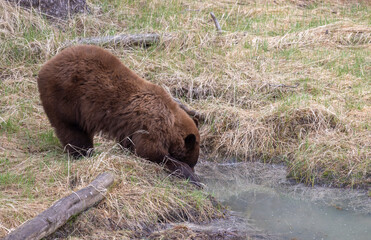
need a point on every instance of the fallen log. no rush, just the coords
(144, 40)
(57, 215)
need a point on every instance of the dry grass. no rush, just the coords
(337, 35)
(286, 81)
(142, 196)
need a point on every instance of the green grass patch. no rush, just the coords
(9, 126)
(48, 140)
(25, 181)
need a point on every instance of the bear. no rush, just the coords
(85, 89)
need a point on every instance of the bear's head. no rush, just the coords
(185, 145)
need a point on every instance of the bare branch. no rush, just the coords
(217, 25)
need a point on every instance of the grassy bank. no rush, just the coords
(286, 81)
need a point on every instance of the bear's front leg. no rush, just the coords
(75, 141)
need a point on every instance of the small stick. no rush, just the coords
(217, 25)
(283, 85)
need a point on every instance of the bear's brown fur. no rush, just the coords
(85, 89)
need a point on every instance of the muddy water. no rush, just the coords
(265, 199)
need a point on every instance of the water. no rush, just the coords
(264, 197)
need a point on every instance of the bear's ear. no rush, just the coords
(196, 121)
(190, 141)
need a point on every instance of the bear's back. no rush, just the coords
(84, 62)
(87, 84)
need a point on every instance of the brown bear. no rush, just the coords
(86, 89)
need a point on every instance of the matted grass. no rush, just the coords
(286, 81)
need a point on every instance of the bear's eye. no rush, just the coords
(190, 141)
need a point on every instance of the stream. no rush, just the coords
(265, 205)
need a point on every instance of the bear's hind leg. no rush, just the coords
(75, 141)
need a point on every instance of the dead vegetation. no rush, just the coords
(284, 82)
(142, 196)
(338, 35)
